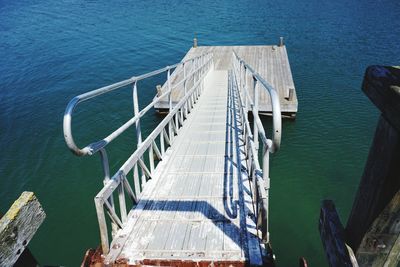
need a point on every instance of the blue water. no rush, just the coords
(51, 51)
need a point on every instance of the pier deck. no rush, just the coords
(270, 61)
(194, 208)
(194, 192)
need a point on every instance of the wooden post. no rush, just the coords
(195, 41)
(159, 92)
(291, 93)
(378, 184)
(381, 245)
(380, 180)
(18, 226)
(382, 86)
(333, 237)
(281, 41)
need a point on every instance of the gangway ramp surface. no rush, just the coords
(195, 192)
(193, 210)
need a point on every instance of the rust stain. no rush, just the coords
(94, 258)
(188, 263)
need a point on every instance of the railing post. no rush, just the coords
(266, 163)
(185, 89)
(240, 78)
(195, 79)
(138, 137)
(177, 121)
(254, 181)
(105, 165)
(248, 154)
(181, 114)
(106, 171)
(265, 214)
(246, 91)
(121, 198)
(136, 112)
(151, 158)
(255, 112)
(244, 86)
(169, 90)
(194, 83)
(169, 104)
(200, 66)
(162, 143)
(200, 76)
(102, 225)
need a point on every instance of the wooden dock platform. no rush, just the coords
(270, 61)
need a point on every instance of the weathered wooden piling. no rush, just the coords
(380, 182)
(373, 228)
(332, 234)
(17, 227)
(380, 246)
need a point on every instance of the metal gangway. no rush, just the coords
(195, 192)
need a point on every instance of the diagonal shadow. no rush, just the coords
(235, 120)
(232, 207)
(198, 206)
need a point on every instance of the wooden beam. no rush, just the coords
(381, 244)
(379, 183)
(333, 237)
(18, 226)
(382, 85)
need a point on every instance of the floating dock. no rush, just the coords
(197, 186)
(270, 61)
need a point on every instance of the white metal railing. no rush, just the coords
(193, 72)
(248, 79)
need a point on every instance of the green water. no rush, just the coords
(51, 51)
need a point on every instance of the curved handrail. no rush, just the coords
(276, 109)
(98, 145)
(258, 175)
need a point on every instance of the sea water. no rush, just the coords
(51, 51)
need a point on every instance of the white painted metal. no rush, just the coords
(118, 181)
(259, 176)
(95, 146)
